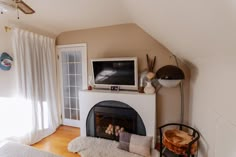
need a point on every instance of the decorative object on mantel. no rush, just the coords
(5, 61)
(149, 89)
(142, 80)
(151, 65)
(171, 76)
(90, 86)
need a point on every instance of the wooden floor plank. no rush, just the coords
(57, 143)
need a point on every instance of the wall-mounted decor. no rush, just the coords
(5, 61)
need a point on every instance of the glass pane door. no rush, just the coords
(72, 81)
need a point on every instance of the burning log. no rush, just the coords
(114, 130)
(109, 129)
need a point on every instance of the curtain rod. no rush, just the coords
(7, 28)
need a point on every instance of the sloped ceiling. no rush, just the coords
(191, 29)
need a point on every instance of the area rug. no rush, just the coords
(98, 147)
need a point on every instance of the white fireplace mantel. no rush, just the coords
(144, 104)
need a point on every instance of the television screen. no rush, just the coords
(114, 72)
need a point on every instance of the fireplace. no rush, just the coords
(143, 104)
(108, 118)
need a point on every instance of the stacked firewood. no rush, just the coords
(114, 129)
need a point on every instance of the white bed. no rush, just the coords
(11, 149)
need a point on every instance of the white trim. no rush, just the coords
(71, 122)
(61, 85)
(115, 59)
(83, 47)
(72, 45)
(84, 68)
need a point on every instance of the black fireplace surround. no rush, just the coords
(108, 118)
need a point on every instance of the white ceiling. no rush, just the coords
(56, 16)
(189, 28)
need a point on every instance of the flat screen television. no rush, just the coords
(120, 72)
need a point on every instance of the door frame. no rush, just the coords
(70, 122)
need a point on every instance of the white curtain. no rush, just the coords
(35, 63)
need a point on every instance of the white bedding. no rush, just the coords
(11, 149)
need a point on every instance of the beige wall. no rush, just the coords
(129, 40)
(7, 78)
(213, 104)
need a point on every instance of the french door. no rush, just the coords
(73, 72)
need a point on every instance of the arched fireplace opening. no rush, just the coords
(107, 118)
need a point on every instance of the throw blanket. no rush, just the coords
(11, 149)
(98, 147)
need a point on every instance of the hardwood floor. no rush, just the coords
(57, 142)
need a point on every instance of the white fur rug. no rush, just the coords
(98, 147)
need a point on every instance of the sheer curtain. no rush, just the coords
(35, 63)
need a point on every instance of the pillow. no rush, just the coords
(140, 145)
(124, 140)
(135, 143)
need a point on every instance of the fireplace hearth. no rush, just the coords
(108, 118)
